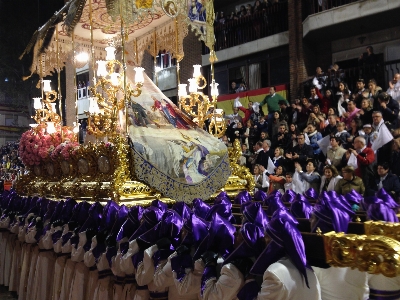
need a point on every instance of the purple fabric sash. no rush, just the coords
(161, 255)
(124, 247)
(179, 264)
(56, 236)
(210, 272)
(383, 295)
(137, 258)
(249, 291)
(98, 250)
(66, 237)
(110, 253)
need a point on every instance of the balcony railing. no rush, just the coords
(83, 93)
(271, 20)
(311, 7)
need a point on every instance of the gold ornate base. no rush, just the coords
(101, 171)
(233, 186)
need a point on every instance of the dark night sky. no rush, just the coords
(18, 21)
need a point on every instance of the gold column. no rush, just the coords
(124, 68)
(59, 80)
(75, 87)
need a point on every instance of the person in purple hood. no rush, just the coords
(283, 265)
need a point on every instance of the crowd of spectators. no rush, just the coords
(262, 16)
(331, 139)
(11, 165)
(246, 10)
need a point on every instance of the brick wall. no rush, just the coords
(297, 63)
(192, 48)
(148, 64)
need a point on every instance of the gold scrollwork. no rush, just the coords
(388, 229)
(241, 171)
(373, 254)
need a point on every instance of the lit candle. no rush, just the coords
(37, 103)
(46, 85)
(214, 89)
(182, 90)
(196, 71)
(50, 127)
(101, 68)
(139, 77)
(114, 79)
(192, 85)
(110, 53)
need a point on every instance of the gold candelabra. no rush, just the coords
(110, 96)
(199, 106)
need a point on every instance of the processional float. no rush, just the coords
(143, 146)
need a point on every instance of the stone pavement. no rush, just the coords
(6, 295)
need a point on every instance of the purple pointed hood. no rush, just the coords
(66, 214)
(222, 198)
(150, 217)
(289, 196)
(242, 197)
(301, 208)
(387, 198)
(260, 196)
(109, 216)
(331, 215)
(182, 209)
(379, 211)
(255, 214)
(159, 204)
(121, 217)
(274, 203)
(311, 194)
(94, 219)
(272, 197)
(222, 235)
(252, 245)
(132, 222)
(286, 240)
(196, 230)
(200, 208)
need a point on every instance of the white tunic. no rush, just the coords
(383, 283)
(283, 281)
(164, 279)
(191, 282)
(342, 283)
(226, 287)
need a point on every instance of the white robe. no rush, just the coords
(126, 265)
(25, 265)
(226, 286)
(191, 282)
(282, 281)
(90, 262)
(383, 283)
(164, 279)
(104, 287)
(80, 277)
(342, 283)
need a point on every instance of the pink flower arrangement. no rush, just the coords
(65, 149)
(36, 146)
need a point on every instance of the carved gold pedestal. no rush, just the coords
(102, 171)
